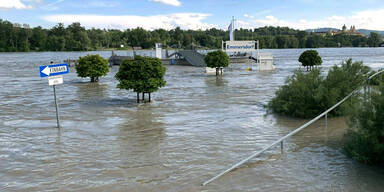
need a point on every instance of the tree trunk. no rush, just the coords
(149, 97)
(138, 97)
(94, 79)
(143, 97)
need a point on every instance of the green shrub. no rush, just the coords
(364, 140)
(377, 79)
(217, 59)
(308, 95)
(93, 66)
(341, 81)
(310, 58)
(298, 98)
(142, 74)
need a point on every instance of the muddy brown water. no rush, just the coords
(196, 127)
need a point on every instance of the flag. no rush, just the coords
(230, 29)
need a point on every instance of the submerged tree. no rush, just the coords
(306, 95)
(217, 59)
(93, 66)
(310, 58)
(364, 140)
(142, 74)
(298, 97)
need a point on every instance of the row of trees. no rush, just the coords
(141, 74)
(74, 37)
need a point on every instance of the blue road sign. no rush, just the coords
(52, 70)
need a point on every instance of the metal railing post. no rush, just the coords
(326, 120)
(282, 146)
(326, 128)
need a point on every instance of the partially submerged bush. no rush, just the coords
(364, 140)
(341, 81)
(298, 97)
(93, 66)
(308, 95)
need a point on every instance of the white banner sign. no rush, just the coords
(239, 46)
(55, 80)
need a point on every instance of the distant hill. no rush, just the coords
(321, 30)
(366, 32)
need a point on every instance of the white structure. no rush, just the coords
(212, 71)
(239, 46)
(159, 52)
(266, 62)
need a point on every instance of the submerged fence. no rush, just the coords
(281, 140)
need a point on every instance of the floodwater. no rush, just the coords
(196, 127)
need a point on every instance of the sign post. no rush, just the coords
(57, 107)
(54, 74)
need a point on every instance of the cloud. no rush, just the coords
(52, 6)
(168, 2)
(98, 4)
(170, 21)
(103, 4)
(369, 19)
(249, 16)
(13, 4)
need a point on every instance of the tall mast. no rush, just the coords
(233, 28)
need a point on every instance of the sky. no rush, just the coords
(196, 14)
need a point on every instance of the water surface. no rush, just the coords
(196, 126)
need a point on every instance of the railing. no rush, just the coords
(281, 140)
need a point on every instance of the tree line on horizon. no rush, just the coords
(74, 37)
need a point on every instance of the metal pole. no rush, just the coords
(326, 120)
(258, 52)
(326, 127)
(57, 107)
(281, 146)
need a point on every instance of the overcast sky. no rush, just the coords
(196, 14)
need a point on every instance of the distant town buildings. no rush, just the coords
(351, 31)
(344, 30)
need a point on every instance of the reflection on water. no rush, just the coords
(218, 81)
(196, 126)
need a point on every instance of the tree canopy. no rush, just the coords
(93, 66)
(142, 74)
(310, 58)
(217, 59)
